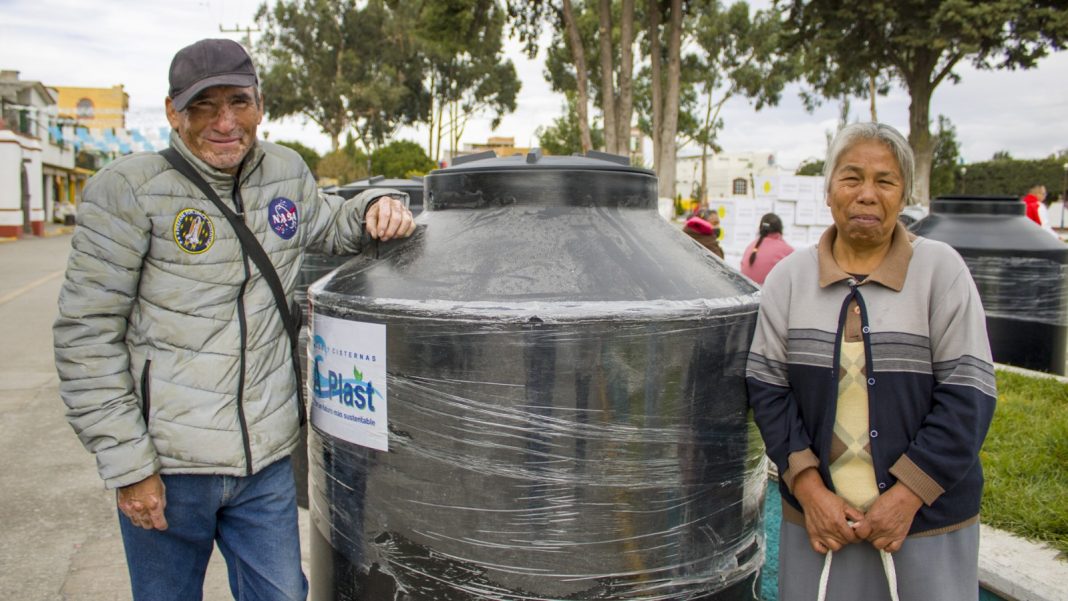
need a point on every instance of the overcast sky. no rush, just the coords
(131, 42)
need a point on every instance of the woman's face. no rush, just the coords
(866, 194)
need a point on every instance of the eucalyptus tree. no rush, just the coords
(739, 58)
(922, 42)
(944, 169)
(604, 29)
(664, 28)
(562, 137)
(462, 45)
(341, 64)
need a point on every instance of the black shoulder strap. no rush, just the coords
(257, 254)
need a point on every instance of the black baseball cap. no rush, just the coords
(206, 64)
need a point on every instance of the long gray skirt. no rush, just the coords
(944, 567)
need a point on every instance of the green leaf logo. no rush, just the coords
(357, 374)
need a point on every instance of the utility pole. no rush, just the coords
(246, 40)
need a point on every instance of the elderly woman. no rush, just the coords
(871, 381)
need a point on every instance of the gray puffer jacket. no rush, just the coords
(171, 354)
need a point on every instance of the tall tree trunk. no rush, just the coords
(578, 55)
(871, 94)
(342, 121)
(625, 113)
(430, 123)
(657, 81)
(920, 90)
(454, 131)
(608, 88)
(440, 129)
(460, 124)
(670, 113)
(704, 176)
(704, 146)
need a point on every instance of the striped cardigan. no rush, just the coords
(931, 390)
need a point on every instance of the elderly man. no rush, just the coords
(173, 351)
(871, 381)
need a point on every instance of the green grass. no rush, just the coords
(1025, 459)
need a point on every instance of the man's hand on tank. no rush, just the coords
(144, 503)
(389, 218)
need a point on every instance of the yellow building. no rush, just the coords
(94, 108)
(504, 146)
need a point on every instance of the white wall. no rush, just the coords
(14, 150)
(723, 169)
(797, 199)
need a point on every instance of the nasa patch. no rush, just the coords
(193, 231)
(282, 215)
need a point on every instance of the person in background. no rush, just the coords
(175, 363)
(766, 251)
(1033, 200)
(1044, 218)
(871, 381)
(704, 228)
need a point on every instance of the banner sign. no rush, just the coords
(347, 378)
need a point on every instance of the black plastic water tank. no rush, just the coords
(1019, 270)
(564, 384)
(315, 266)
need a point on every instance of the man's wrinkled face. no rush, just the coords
(219, 125)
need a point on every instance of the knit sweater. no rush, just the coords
(930, 378)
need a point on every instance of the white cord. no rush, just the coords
(888, 569)
(891, 573)
(825, 575)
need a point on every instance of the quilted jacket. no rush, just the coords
(170, 349)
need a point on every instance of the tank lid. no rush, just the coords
(381, 181)
(978, 205)
(536, 159)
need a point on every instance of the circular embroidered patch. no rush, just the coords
(193, 231)
(282, 215)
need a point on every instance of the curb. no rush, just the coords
(49, 232)
(1030, 372)
(59, 230)
(1020, 570)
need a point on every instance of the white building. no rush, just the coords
(26, 155)
(743, 187)
(46, 158)
(729, 175)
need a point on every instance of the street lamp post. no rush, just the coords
(963, 180)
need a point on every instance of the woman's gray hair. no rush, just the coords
(853, 133)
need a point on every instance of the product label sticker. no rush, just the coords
(347, 378)
(282, 214)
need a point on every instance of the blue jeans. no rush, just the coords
(254, 521)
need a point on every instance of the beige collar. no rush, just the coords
(890, 273)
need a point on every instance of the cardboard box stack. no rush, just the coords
(797, 199)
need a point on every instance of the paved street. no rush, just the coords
(59, 539)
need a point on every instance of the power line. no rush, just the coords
(248, 31)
